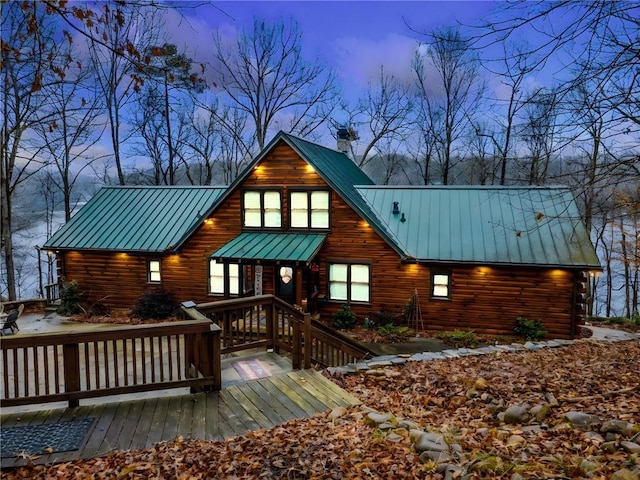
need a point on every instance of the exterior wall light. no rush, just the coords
(285, 274)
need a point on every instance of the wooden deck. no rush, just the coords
(236, 409)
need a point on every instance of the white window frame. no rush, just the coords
(301, 215)
(348, 283)
(266, 213)
(154, 271)
(229, 276)
(441, 284)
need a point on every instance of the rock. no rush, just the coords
(430, 441)
(617, 426)
(551, 400)
(515, 440)
(375, 372)
(516, 476)
(624, 474)
(630, 447)
(516, 414)
(594, 437)
(438, 457)
(609, 447)
(415, 434)
(540, 411)
(472, 394)
(408, 424)
(610, 437)
(394, 437)
(587, 465)
(386, 426)
(453, 471)
(532, 430)
(486, 397)
(380, 363)
(374, 419)
(635, 438)
(337, 413)
(581, 420)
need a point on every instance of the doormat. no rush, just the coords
(251, 369)
(45, 438)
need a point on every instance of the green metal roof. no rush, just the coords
(485, 225)
(136, 219)
(286, 247)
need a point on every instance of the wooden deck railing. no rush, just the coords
(109, 361)
(52, 292)
(265, 321)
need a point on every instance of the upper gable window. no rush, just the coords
(309, 209)
(262, 209)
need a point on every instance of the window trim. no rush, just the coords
(226, 280)
(261, 191)
(433, 285)
(309, 191)
(150, 271)
(349, 264)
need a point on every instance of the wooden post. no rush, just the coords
(295, 347)
(71, 368)
(307, 340)
(216, 360)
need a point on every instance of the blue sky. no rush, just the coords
(354, 37)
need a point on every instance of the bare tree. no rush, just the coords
(124, 24)
(539, 132)
(384, 114)
(264, 74)
(26, 71)
(606, 31)
(516, 66)
(72, 129)
(447, 80)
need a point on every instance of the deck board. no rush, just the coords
(236, 409)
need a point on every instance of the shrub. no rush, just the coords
(460, 338)
(384, 317)
(344, 318)
(153, 304)
(530, 329)
(70, 297)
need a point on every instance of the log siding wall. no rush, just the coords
(484, 299)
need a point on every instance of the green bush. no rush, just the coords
(70, 298)
(344, 318)
(530, 329)
(460, 338)
(153, 304)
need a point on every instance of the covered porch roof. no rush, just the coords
(259, 247)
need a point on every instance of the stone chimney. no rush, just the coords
(345, 135)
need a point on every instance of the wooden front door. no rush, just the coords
(285, 282)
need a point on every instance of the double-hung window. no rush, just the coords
(350, 282)
(309, 209)
(225, 278)
(262, 209)
(153, 272)
(440, 284)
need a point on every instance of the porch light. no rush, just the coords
(285, 274)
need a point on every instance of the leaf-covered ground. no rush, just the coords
(460, 398)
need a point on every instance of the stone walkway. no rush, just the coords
(599, 334)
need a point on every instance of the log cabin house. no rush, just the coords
(304, 223)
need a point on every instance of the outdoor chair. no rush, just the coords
(10, 323)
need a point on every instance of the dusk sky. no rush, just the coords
(353, 37)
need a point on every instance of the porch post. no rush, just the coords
(307, 340)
